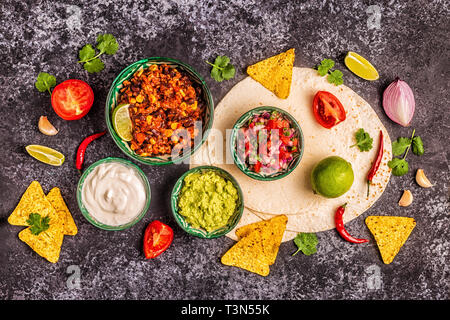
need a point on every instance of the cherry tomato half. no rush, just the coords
(328, 110)
(72, 99)
(157, 238)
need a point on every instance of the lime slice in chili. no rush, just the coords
(122, 122)
(360, 66)
(45, 154)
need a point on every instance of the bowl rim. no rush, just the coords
(174, 203)
(86, 213)
(116, 138)
(232, 143)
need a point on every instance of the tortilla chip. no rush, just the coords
(390, 233)
(33, 201)
(275, 73)
(248, 254)
(47, 243)
(272, 231)
(57, 201)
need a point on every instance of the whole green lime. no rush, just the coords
(332, 177)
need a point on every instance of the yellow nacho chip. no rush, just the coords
(47, 243)
(248, 254)
(272, 231)
(57, 201)
(275, 73)
(390, 233)
(32, 201)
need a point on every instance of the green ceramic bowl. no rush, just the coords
(112, 102)
(198, 232)
(242, 121)
(94, 221)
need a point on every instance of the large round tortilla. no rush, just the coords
(292, 195)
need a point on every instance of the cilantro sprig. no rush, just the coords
(45, 82)
(335, 76)
(37, 223)
(222, 69)
(363, 140)
(401, 146)
(106, 44)
(306, 242)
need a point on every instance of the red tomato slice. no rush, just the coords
(157, 238)
(72, 99)
(328, 110)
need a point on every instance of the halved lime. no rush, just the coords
(45, 154)
(360, 66)
(122, 122)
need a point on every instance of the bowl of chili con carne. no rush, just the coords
(170, 107)
(266, 143)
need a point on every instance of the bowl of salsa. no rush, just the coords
(169, 109)
(266, 143)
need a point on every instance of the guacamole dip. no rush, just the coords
(207, 200)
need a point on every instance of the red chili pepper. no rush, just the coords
(82, 148)
(376, 163)
(341, 229)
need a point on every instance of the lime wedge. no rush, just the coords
(122, 122)
(45, 154)
(360, 66)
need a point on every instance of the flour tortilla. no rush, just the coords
(292, 195)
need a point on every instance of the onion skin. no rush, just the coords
(399, 103)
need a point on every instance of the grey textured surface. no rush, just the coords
(412, 42)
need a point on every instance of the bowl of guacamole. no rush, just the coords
(207, 202)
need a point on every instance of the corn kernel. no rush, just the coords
(140, 98)
(168, 132)
(184, 114)
(174, 125)
(183, 105)
(194, 106)
(174, 139)
(149, 119)
(152, 141)
(132, 100)
(182, 92)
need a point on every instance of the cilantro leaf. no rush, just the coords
(45, 82)
(400, 145)
(325, 66)
(417, 146)
(335, 77)
(93, 66)
(306, 242)
(363, 140)
(399, 167)
(107, 43)
(86, 53)
(222, 69)
(37, 223)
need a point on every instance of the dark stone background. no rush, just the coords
(412, 43)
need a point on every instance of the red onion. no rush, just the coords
(399, 103)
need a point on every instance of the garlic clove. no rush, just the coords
(406, 199)
(46, 127)
(422, 179)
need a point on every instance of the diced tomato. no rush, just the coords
(157, 238)
(257, 167)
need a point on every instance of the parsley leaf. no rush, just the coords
(93, 66)
(37, 223)
(400, 145)
(222, 69)
(417, 146)
(45, 82)
(325, 66)
(399, 166)
(106, 43)
(335, 77)
(306, 242)
(363, 140)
